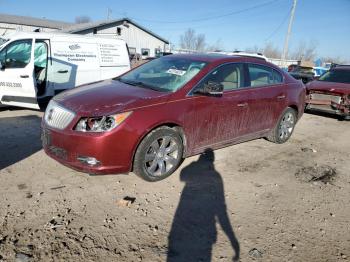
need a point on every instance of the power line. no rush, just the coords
(209, 17)
(279, 26)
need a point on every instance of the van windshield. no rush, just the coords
(165, 74)
(2, 41)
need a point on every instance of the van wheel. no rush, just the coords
(158, 155)
(284, 128)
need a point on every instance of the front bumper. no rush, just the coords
(113, 151)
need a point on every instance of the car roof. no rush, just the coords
(216, 57)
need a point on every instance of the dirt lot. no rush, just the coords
(258, 200)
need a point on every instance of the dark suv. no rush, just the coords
(150, 118)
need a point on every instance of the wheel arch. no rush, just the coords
(172, 125)
(295, 107)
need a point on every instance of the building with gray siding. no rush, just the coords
(140, 40)
(12, 23)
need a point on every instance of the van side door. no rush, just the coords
(17, 74)
(73, 63)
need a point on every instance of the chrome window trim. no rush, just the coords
(190, 93)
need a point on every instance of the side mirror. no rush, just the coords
(211, 88)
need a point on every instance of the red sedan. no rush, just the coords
(149, 119)
(331, 92)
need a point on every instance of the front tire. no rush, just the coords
(158, 155)
(284, 128)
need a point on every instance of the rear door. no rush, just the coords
(267, 95)
(17, 85)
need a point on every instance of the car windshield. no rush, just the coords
(165, 74)
(339, 76)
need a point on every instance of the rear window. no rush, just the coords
(262, 75)
(338, 76)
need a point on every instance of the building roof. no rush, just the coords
(77, 28)
(31, 21)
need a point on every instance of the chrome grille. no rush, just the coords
(335, 99)
(57, 116)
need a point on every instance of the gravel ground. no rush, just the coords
(257, 201)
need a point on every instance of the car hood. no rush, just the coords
(329, 87)
(108, 97)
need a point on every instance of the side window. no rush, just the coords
(17, 54)
(277, 77)
(260, 75)
(231, 76)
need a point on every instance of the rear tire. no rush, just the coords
(158, 155)
(284, 128)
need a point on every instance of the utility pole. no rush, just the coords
(286, 42)
(109, 12)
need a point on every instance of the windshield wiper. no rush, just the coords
(138, 83)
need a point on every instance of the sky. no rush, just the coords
(233, 24)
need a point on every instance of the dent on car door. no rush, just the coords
(267, 97)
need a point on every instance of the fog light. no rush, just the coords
(91, 161)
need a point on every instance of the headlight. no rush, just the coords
(100, 124)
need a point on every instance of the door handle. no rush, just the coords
(24, 76)
(62, 71)
(281, 97)
(242, 104)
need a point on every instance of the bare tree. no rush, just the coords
(216, 47)
(335, 60)
(187, 40)
(82, 19)
(254, 49)
(200, 43)
(305, 52)
(271, 51)
(191, 41)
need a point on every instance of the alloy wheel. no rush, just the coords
(286, 126)
(161, 156)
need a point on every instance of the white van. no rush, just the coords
(36, 66)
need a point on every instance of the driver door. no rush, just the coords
(216, 120)
(17, 87)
